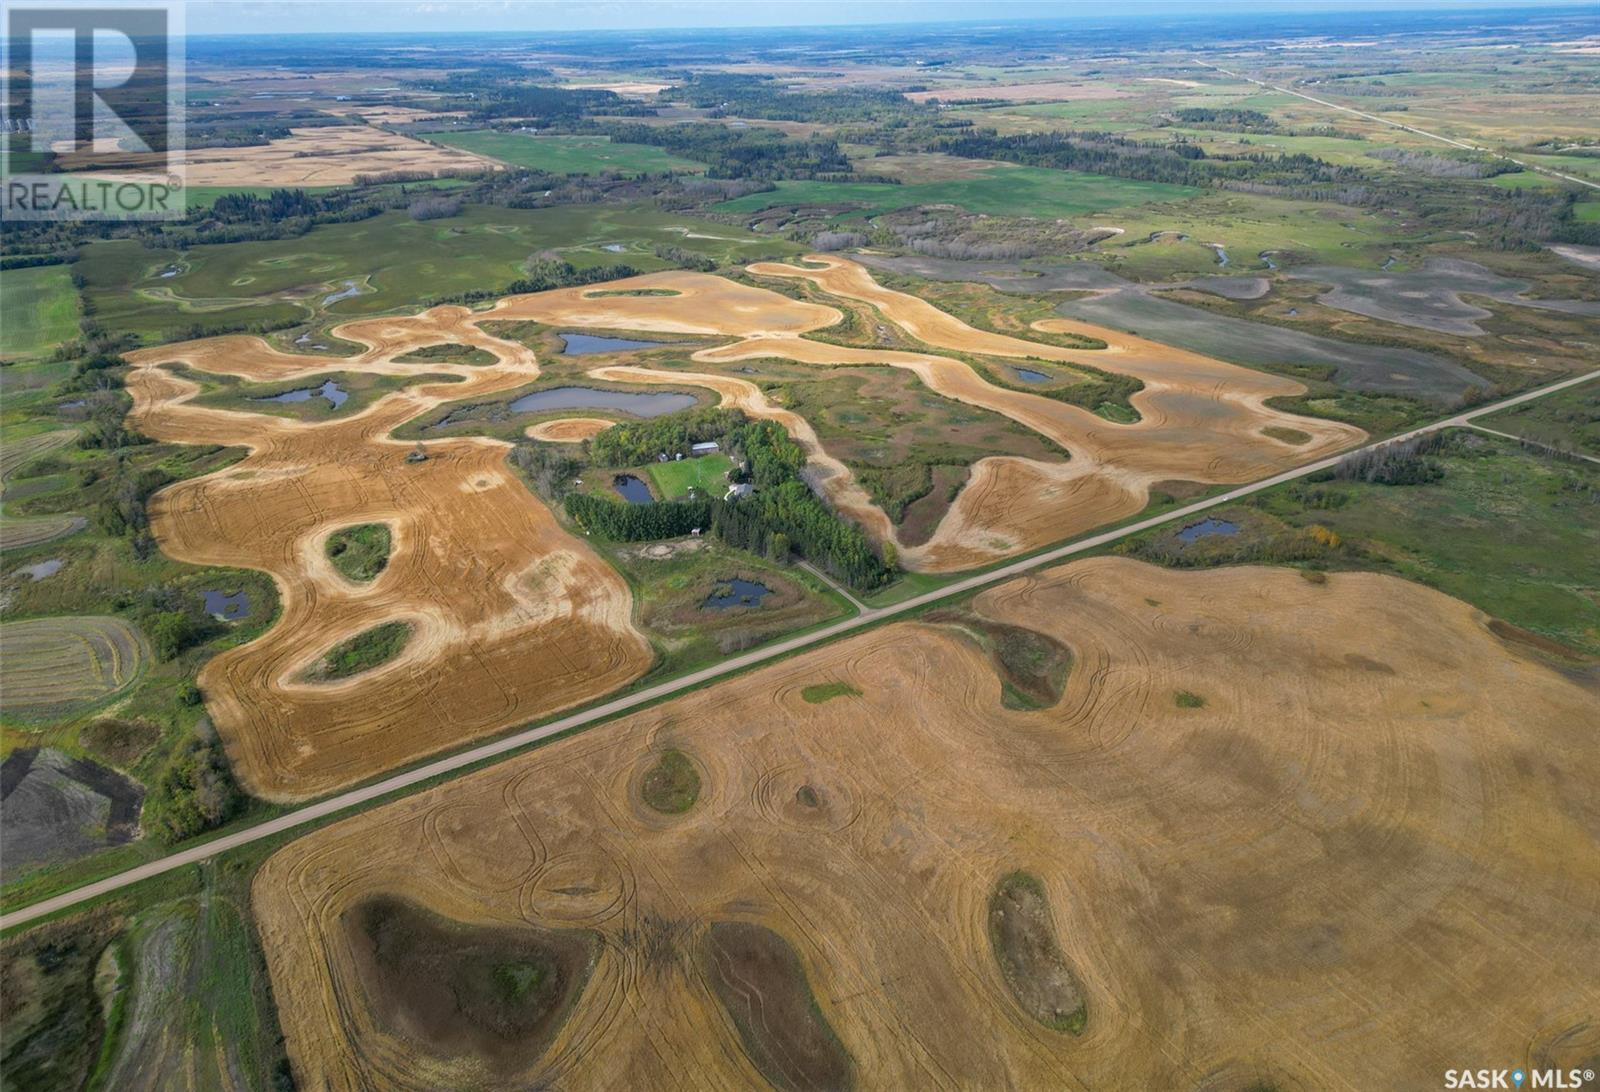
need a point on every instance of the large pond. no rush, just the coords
(633, 490)
(638, 403)
(330, 390)
(1207, 528)
(736, 593)
(230, 608)
(583, 344)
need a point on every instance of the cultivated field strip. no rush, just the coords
(1433, 895)
(512, 617)
(55, 667)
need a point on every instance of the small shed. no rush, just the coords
(705, 448)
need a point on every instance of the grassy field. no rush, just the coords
(391, 261)
(566, 154)
(40, 311)
(1512, 532)
(999, 191)
(1569, 420)
(676, 478)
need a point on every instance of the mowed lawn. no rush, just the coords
(40, 311)
(1000, 191)
(709, 472)
(566, 154)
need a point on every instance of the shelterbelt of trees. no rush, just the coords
(782, 516)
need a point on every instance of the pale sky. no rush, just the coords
(425, 16)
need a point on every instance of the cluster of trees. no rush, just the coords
(685, 259)
(1444, 166)
(623, 522)
(551, 470)
(435, 207)
(543, 275)
(743, 153)
(1226, 118)
(763, 97)
(781, 516)
(1404, 462)
(195, 793)
(634, 442)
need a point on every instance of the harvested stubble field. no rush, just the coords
(511, 617)
(324, 156)
(1201, 419)
(55, 667)
(1432, 894)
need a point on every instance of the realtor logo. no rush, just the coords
(93, 111)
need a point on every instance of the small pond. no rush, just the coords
(230, 608)
(1206, 528)
(632, 489)
(330, 390)
(41, 569)
(736, 593)
(1029, 375)
(350, 289)
(638, 403)
(583, 344)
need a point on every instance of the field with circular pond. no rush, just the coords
(824, 901)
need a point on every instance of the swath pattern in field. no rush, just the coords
(54, 667)
(1433, 893)
(509, 616)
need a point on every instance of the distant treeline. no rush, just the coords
(763, 97)
(742, 153)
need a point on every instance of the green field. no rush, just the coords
(566, 154)
(40, 311)
(708, 472)
(999, 191)
(1587, 212)
(1512, 532)
(395, 262)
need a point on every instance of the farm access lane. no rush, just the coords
(459, 762)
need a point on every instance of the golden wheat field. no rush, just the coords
(511, 616)
(1273, 832)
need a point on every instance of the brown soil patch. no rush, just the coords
(513, 617)
(762, 986)
(1433, 892)
(325, 156)
(120, 742)
(499, 993)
